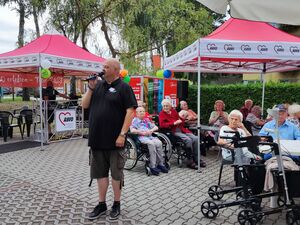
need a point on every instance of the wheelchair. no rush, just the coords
(137, 151)
(175, 145)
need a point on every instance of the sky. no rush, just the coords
(9, 25)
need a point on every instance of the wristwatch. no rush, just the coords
(122, 134)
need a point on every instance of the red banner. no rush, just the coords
(136, 85)
(10, 79)
(170, 91)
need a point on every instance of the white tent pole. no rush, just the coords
(198, 105)
(263, 73)
(41, 104)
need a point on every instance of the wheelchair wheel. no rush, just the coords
(209, 209)
(168, 166)
(131, 153)
(281, 201)
(247, 217)
(166, 142)
(148, 171)
(179, 162)
(215, 192)
(293, 217)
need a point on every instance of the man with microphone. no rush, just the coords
(111, 104)
(286, 129)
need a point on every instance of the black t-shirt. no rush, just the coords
(108, 107)
(51, 93)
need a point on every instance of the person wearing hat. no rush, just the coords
(286, 129)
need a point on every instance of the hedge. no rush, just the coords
(234, 96)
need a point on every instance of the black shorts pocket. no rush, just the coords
(122, 157)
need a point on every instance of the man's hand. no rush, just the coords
(93, 83)
(120, 142)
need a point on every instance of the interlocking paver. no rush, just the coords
(51, 187)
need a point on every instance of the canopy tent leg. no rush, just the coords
(41, 108)
(263, 73)
(198, 108)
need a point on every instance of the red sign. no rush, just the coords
(170, 91)
(10, 79)
(136, 85)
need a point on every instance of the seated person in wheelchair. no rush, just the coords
(235, 124)
(169, 119)
(144, 128)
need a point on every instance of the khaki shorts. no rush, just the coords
(102, 161)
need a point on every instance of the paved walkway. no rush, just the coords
(51, 187)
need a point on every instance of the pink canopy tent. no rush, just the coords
(66, 58)
(238, 46)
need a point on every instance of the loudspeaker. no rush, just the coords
(182, 89)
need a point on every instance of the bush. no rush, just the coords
(235, 95)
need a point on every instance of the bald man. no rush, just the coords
(111, 104)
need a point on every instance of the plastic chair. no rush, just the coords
(8, 125)
(27, 114)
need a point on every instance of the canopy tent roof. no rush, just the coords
(240, 46)
(273, 11)
(66, 57)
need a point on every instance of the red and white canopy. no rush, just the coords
(240, 46)
(66, 57)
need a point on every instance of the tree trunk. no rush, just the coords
(36, 21)
(109, 42)
(73, 85)
(26, 96)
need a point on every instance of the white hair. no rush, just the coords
(293, 109)
(237, 113)
(166, 101)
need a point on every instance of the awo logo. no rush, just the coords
(228, 47)
(278, 49)
(262, 49)
(294, 49)
(246, 48)
(65, 117)
(212, 47)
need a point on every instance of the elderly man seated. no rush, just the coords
(169, 119)
(144, 128)
(286, 129)
(235, 124)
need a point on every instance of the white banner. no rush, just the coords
(65, 120)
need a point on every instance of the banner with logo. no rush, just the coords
(150, 96)
(170, 91)
(65, 120)
(136, 85)
(11, 79)
(160, 96)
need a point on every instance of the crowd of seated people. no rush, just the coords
(170, 119)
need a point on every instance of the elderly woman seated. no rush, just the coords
(169, 119)
(218, 117)
(144, 128)
(235, 124)
(254, 119)
(294, 114)
(191, 116)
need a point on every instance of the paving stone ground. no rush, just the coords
(51, 187)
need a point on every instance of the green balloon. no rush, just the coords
(160, 74)
(45, 73)
(126, 79)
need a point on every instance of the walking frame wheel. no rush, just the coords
(215, 192)
(209, 209)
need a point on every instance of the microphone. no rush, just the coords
(94, 76)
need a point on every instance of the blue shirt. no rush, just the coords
(287, 131)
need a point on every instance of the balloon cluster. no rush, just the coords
(125, 76)
(45, 72)
(164, 74)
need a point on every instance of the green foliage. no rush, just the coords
(234, 96)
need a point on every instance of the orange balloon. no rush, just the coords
(123, 73)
